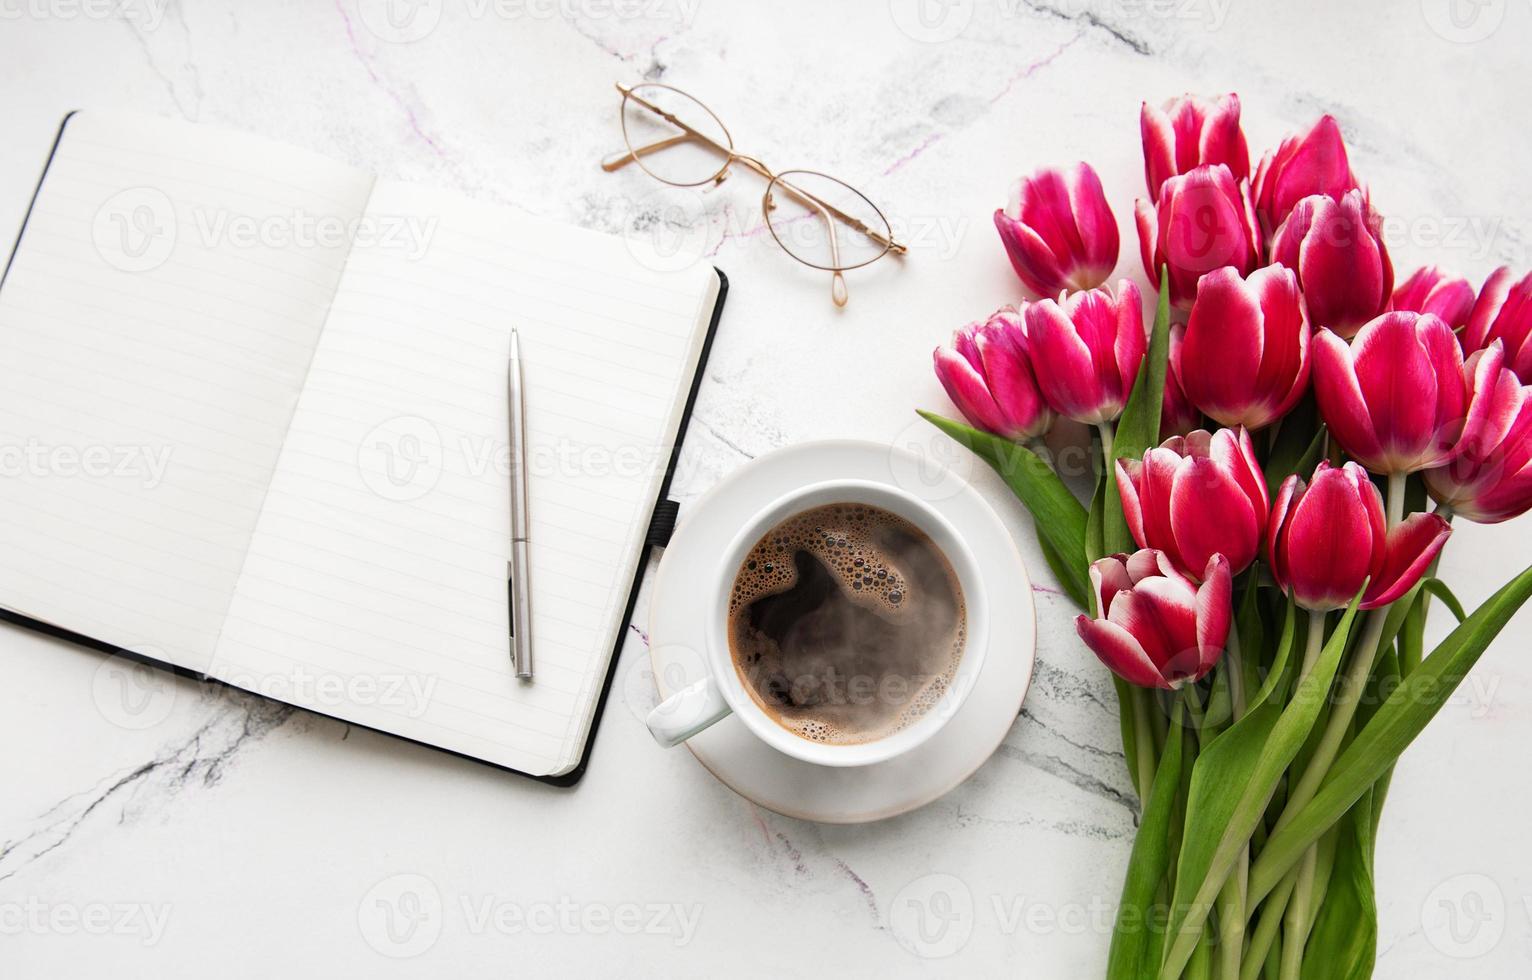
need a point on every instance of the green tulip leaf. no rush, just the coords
(1343, 943)
(1438, 588)
(1409, 708)
(1299, 446)
(1232, 782)
(1136, 942)
(1139, 427)
(1063, 572)
(1060, 517)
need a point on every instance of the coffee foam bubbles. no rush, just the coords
(846, 623)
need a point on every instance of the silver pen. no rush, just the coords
(518, 584)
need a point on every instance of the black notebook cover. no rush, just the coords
(662, 519)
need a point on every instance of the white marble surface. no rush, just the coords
(240, 837)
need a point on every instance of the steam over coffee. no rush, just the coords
(846, 623)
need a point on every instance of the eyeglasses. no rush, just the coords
(822, 222)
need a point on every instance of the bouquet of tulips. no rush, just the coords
(1281, 455)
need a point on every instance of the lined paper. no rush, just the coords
(153, 358)
(377, 567)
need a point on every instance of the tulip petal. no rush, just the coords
(1128, 473)
(1411, 547)
(1328, 542)
(1485, 310)
(1222, 346)
(1122, 654)
(1210, 514)
(1030, 256)
(1340, 397)
(1215, 611)
(967, 390)
(1291, 488)
(1148, 224)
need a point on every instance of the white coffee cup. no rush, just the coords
(704, 700)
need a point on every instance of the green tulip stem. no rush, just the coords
(1108, 461)
(1143, 738)
(1263, 939)
(1347, 696)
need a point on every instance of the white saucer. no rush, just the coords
(800, 789)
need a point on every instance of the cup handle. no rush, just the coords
(687, 712)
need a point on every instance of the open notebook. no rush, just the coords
(253, 426)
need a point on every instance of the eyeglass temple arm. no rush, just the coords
(622, 158)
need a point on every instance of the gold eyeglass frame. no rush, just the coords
(828, 212)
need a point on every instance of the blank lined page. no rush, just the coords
(375, 584)
(155, 329)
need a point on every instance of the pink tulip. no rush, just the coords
(1189, 132)
(1395, 398)
(1196, 497)
(1490, 480)
(988, 375)
(1058, 230)
(1244, 357)
(1203, 221)
(1337, 249)
(1430, 290)
(1328, 536)
(1314, 163)
(1178, 416)
(1086, 349)
(1504, 313)
(1155, 628)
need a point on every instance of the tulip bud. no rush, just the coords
(1244, 357)
(1395, 398)
(1154, 627)
(1058, 230)
(1203, 221)
(1504, 313)
(1086, 350)
(1490, 478)
(1178, 416)
(988, 375)
(1337, 249)
(1430, 290)
(1196, 497)
(1189, 132)
(1314, 163)
(1328, 536)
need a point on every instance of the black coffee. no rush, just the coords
(846, 623)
